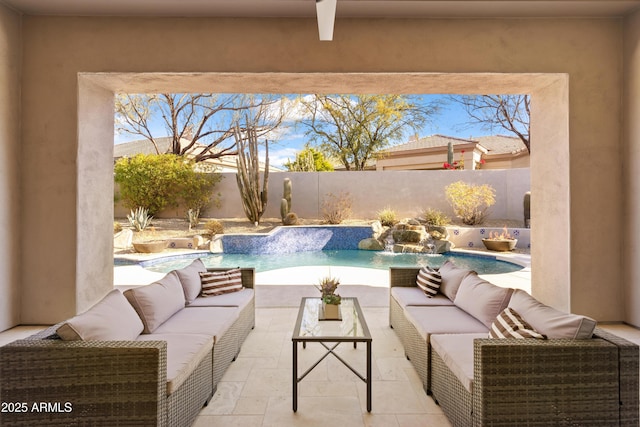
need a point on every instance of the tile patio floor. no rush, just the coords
(256, 390)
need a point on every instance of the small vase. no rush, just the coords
(331, 311)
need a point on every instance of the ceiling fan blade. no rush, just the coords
(326, 12)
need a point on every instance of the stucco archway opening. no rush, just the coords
(551, 276)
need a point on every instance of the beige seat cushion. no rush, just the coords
(184, 354)
(238, 299)
(481, 299)
(456, 351)
(111, 319)
(157, 302)
(549, 321)
(190, 279)
(412, 295)
(212, 321)
(443, 320)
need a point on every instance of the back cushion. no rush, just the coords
(190, 279)
(549, 321)
(481, 299)
(221, 282)
(111, 319)
(451, 278)
(157, 302)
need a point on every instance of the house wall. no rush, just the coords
(589, 51)
(10, 57)
(631, 157)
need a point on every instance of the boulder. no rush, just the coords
(409, 236)
(370, 244)
(377, 229)
(438, 232)
(123, 239)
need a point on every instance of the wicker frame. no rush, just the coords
(112, 382)
(529, 382)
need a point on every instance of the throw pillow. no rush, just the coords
(221, 282)
(509, 324)
(429, 281)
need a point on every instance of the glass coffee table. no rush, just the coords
(351, 328)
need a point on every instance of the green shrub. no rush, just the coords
(387, 217)
(470, 202)
(336, 207)
(213, 227)
(158, 181)
(435, 217)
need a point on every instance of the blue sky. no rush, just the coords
(450, 121)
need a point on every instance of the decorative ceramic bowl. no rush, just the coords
(500, 245)
(150, 247)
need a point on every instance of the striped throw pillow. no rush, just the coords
(429, 281)
(509, 324)
(221, 282)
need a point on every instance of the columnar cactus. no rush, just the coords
(285, 203)
(254, 199)
(527, 209)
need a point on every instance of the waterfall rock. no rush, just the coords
(123, 239)
(377, 229)
(370, 244)
(409, 236)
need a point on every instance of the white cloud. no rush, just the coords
(279, 157)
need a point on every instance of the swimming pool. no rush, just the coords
(483, 264)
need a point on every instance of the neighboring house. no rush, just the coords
(144, 146)
(430, 152)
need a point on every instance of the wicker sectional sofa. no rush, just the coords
(159, 372)
(579, 376)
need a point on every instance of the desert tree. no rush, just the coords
(205, 121)
(309, 160)
(356, 128)
(507, 112)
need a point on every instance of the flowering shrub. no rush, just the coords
(455, 165)
(470, 202)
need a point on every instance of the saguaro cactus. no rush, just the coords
(285, 203)
(527, 209)
(450, 153)
(254, 198)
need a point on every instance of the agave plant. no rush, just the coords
(139, 218)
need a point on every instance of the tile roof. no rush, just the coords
(495, 144)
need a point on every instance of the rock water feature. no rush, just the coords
(409, 236)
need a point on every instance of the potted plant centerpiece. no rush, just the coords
(330, 299)
(501, 242)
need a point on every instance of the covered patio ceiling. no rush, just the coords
(345, 8)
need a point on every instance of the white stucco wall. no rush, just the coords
(588, 51)
(10, 57)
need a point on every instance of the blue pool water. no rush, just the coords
(483, 264)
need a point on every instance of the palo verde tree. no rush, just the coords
(309, 160)
(199, 124)
(355, 128)
(506, 112)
